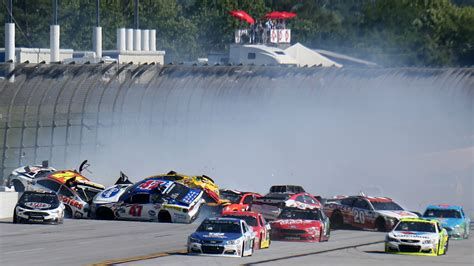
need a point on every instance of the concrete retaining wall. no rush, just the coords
(7, 203)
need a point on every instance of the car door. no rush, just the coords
(137, 207)
(360, 213)
(247, 237)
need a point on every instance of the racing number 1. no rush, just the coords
(136, 210)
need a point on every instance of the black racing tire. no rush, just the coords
(164, 217)
(104, 213)
(252, 250)
(19, 187)
(243, 248)
(446, 247)
(68, 212)
(15, 219)
(337, 220)
(380, 225)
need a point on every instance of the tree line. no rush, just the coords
(391, 33)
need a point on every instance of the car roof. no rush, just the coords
(369, 198)
(216, 219)
(444, 207)
(237, 213)
(39, 192)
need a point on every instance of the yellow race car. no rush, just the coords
(417, 236)
(211, 190)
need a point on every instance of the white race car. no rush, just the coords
(222, 237)
(39, 207)
(151, 199)
(21, 177)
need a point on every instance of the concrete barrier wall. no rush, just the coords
(7, 203)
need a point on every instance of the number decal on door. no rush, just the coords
(359, 216)
(136, 210)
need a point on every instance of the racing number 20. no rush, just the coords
(359, 216)
(136, 210)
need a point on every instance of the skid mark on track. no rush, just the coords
(312, 253)
(139, 258)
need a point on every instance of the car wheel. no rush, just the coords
(243, 249)
(380, 224)
(105, 214)
(336, 220)
(19, 187)
(68, 212)
(446, 246)
(15, 221)
(164, 217)
(320, 235)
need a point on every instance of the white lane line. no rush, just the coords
(23, 250)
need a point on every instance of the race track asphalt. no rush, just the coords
(83, 242)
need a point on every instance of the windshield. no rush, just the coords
(386, 206)
(220, 227)
(442, 213)
(50, 199)
(250, 220)
(232, 197)
(301, 214)
(416, 226)
(177, 191)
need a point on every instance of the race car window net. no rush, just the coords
(250, 220)
(388, 206)
(52, 185)
(362, 204)
(416, 226)
(301, 214)
(220, 227)
(436, 213)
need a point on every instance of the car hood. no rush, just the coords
(31, 205)
(398, 214)
(111, 194)
(294, 224)
(216, 236)
(413, 235)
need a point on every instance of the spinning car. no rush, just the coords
(376, 213)
(294, 224)
(203, 182)
(38, 207)
(222, 237)
(21, 177)
(237, 200)
(452, 218)
(152, 199)
(258, 224)
(418, 237)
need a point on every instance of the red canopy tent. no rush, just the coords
(242, 15)
(280, 15)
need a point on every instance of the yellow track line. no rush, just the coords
(137, 258)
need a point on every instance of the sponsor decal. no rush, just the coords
(284, 222)
(71, 202)
(109, 193)
(38, 205)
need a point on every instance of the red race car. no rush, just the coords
(306, 225)
(237, 200)
(258, 224)
(271, 205)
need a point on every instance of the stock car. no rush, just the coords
(452, 218)
(20, 177)
(271, 205)
(237, 200)
(222, 237)
(39, 207)
(417, 236)
(295, 224)
(258, 224)
(365, 212)
(152, 199)
(203, 182)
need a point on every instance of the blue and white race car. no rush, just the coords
(452, 218)
(151, 199)
(222, 237)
